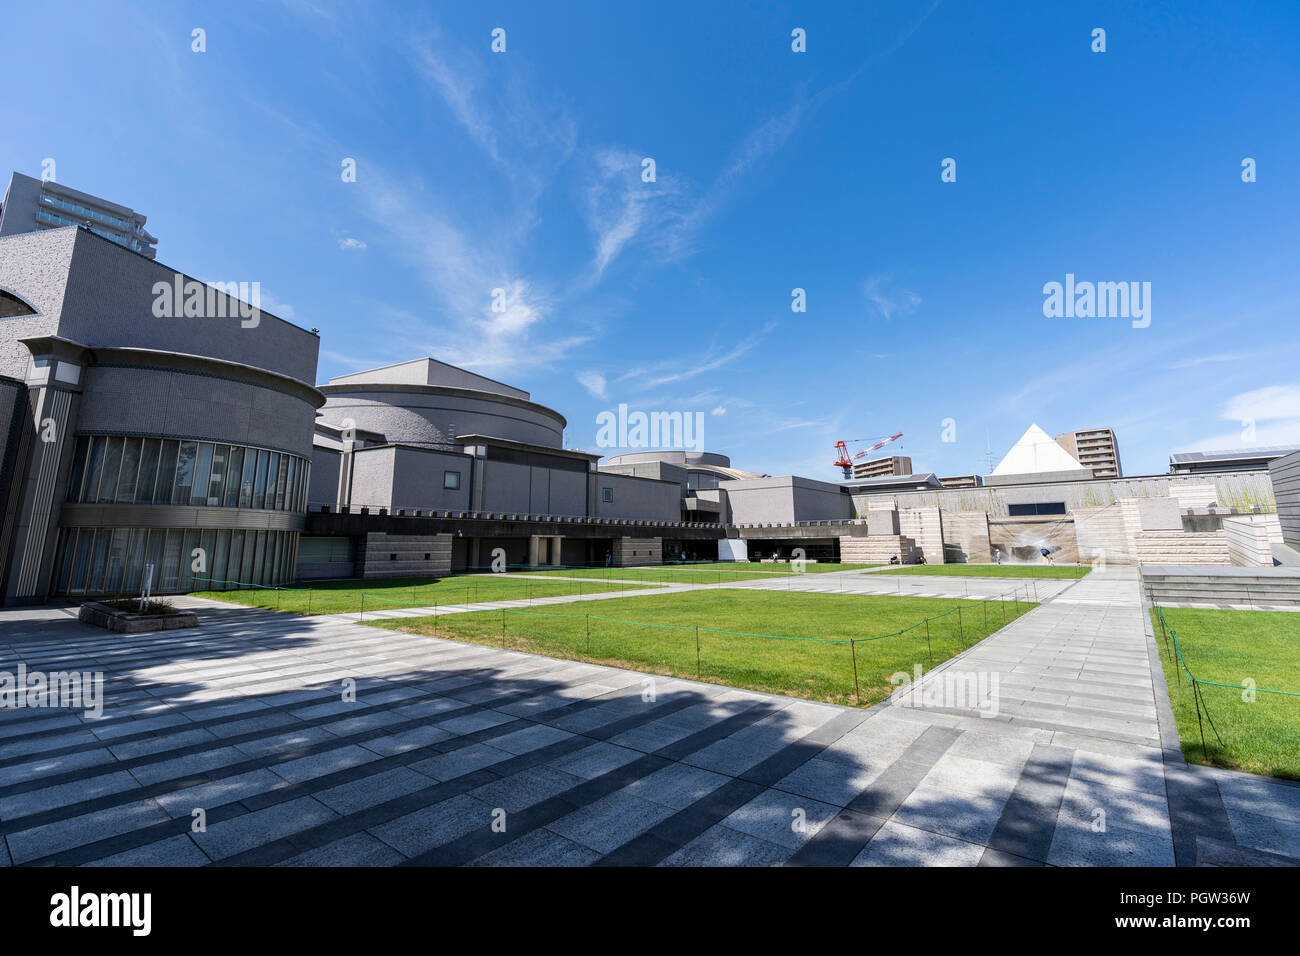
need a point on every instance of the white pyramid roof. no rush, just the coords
(1037, 452)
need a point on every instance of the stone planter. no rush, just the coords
(127, 622)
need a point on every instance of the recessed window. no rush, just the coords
(1036, 508)
(11, 305)
(607, 494)
(451, 479)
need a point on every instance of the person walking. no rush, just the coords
(1047, 556)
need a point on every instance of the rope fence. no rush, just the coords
(817, 664)
(1182, 670)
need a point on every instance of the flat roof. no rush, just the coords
(1232, 454)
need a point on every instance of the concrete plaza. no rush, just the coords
(244, 719)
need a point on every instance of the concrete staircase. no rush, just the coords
(1182, 548)
(401, 556)
(1281, 588)
(878, 549)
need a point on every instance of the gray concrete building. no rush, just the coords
(134, 441)
(1232, 460)
(31, 205)
(883, 467)
(1095, 448)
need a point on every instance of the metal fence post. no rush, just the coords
(961, 634)
(699, 668)
(588, 635)
(853, 649)
(928, 649)
(503, 627)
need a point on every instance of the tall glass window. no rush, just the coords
(134, 561)
(202, 471)
(217, 481)
(78, 468)
(187, 579)
(171, 562)
(234, 467)
(98, 561)
(236, 556)
(184, 472)
(154, 558)
(221, 554)
(166, 475)
(112, 465)
(281, 479)
(259, 484)
(116, 561)
(81, 564)
(247, 481)
(148, 471)
(130, 468)
(93, 468)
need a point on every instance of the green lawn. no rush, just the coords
(332, 597)
(657, 633)
(710, 573)
(1235, 647)
(994, 570)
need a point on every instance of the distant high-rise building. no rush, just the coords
(880, 467)
(33, 204)
(1094, 448)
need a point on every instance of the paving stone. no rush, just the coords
(261, 827)
(678, 786)
(966, 816)
(318, 765)
(783, 818)
(359, 849)
(830, 781)
(599, 758)
(448, 766)
(526, 788)
(432, 826)
(182, 803)
(177, 850)
(611, 821)
(372, 790)
(539, 848)
(1080, 846)
(897, 845)
(723, 846)
(50, 838)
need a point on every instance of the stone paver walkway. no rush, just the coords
(243, 719)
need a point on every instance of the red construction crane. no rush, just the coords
(842, 459)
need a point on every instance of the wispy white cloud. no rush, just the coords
(673, 370)
(273, 305)
(619, 205)
(889, 302)
(1265, 416)
(351, 243)
(766, 139)
(1264, 404)
(594, 383)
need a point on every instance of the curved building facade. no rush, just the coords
(429, 404)
(130, 459)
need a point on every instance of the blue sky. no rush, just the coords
(775, 170)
